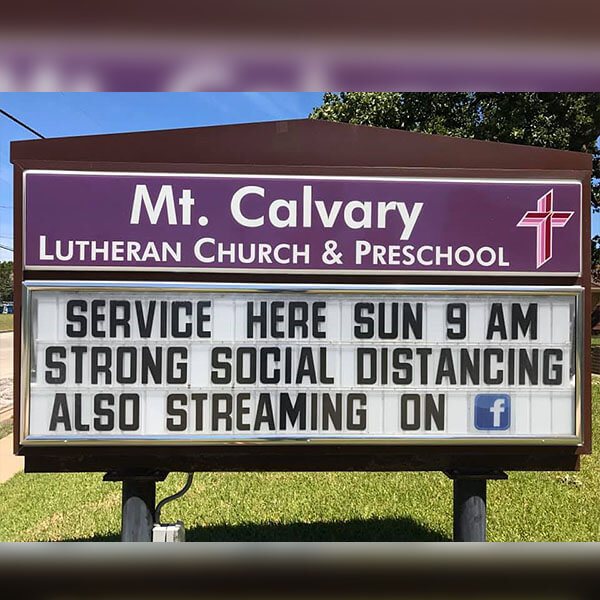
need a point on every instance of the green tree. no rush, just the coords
(566, 121)
(6, 281)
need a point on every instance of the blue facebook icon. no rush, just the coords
(492, 411)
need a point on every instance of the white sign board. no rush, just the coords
(115, 363)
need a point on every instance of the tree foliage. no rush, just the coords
(6, 281)
(561, 120)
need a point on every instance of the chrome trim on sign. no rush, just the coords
(29, 287)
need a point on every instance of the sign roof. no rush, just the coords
(305, 142)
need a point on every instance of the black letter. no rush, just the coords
(145, 326)
(217, 364)
(79, 351)
(323, 378)
(496, 322)
(98, 368)
(251, 319)
(135, 416)
(402, 366)
(79, 426)
(433, 412)
(173, 425)
(239, 365)
(264, 354)
(225, 414)
(201, 318)
(557, 370)
(306, 366)
(361, 423)
(264, 413)
(275, 319)
(61, 352)
(300, 322)
(175, 309)
(171, 352)
(122, 321)
(97, 317)
(293, 412)
(359, 332)
(72, 317)
(528, 366)
(392, 334)
(445, 367)
(122, 351)
(361, 378)
(332, 412)
(416, 400)
(151, 364)
(459, 319)
(317, 319)
(60, 413)
(241, 411)
(524, 322)
(412, 321)
(104, 412)
(487, 366)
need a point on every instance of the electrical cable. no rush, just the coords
(12, 118)
(180, 493)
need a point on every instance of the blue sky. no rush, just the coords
(58, 114)
(55, 115)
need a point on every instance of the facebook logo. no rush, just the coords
(492, 411)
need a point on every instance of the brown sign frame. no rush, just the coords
(302, 147)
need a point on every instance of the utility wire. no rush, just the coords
(18, 122)
(21, 124)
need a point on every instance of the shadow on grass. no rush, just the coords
(368, 530)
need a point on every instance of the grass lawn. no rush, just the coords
(6, 322)
(312, 507)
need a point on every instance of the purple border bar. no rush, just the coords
(83, 221)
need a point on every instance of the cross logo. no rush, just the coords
(544, 219)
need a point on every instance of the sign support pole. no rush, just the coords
(138, 505)
(469, 504)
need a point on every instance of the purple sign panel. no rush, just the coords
(263, 223)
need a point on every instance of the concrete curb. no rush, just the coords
(6, 413)
(9, 463)
(7, 331)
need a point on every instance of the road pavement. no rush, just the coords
(6, 353)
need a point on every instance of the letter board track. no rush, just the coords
(116, 363)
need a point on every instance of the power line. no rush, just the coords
(21, 123)
(6, 247)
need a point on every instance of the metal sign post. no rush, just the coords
(138, 503)
(470, 504)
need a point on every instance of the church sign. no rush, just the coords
(312, 224)
(300, 296)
